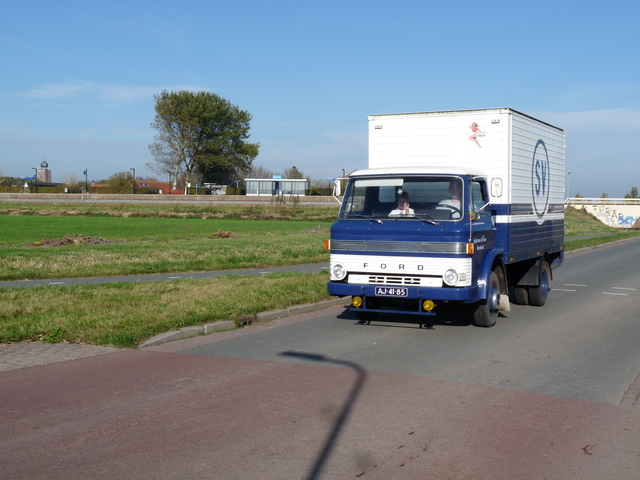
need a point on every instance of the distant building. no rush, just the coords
(44, 174)
(277, 186)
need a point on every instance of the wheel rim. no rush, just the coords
(544, 284)
(494, 299)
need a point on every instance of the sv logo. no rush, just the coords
(540, 179)
(541, 175)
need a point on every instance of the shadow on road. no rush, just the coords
(350, 401)
(452, 317)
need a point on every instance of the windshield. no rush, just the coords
(438, 198)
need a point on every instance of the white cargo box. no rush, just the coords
(522, 155)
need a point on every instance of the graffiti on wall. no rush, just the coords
(627, 222)
(613, 217)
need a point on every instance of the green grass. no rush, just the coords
(125, 314)
(154, 245)
(21, 229)
(283, 210)
(579, 223)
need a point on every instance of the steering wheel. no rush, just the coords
(453, 209)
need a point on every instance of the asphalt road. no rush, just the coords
(585, 343)
(548, 393)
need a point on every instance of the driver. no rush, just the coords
(455, 194)
(403, 206)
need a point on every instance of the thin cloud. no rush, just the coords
(107, 92)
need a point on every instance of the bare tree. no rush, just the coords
(260, 172)
(70, 180)
(292, 172)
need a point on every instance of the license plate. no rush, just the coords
(392, 292)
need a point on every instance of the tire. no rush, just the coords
(486, 312)
(538, 295)
(520, 296)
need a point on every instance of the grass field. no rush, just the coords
(153, 245)
(166, 239)
(124, 314)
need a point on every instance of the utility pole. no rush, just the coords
(134, 180)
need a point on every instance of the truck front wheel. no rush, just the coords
(538, 295)
(486, 312)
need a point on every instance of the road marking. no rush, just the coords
(56, 283)
(624, 288)
(562, 290)
(574, 285)
(174, 278)
(620, 294)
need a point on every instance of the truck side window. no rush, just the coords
(478, 197)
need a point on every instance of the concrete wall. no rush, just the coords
(614, 212)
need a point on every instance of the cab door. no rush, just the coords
(481, 219)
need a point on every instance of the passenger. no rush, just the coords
(403, 206)
(453, 203)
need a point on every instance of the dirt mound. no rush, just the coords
(220, 234)
(69, 240)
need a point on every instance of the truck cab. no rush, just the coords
(439, 249)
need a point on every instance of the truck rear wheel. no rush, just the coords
(538, 295)
(486, 312)
(520, 296)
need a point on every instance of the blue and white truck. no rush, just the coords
(457, 209)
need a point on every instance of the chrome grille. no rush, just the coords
(393, 280)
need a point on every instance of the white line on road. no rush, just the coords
(56, 283)
(574, 285)
(612, 293)
(624, 288)
(562, 290)
(174, 278)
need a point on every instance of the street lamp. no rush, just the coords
(35, 177)
(134, 180)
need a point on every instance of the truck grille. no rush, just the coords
(390, 280)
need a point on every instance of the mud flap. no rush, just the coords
(504, 303)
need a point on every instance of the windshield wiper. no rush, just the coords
(427, 219)
(368, 217)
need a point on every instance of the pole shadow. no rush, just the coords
(350, 401)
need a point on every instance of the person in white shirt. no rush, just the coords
(403, 208)
(453, 203)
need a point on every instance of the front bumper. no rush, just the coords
(385, 304)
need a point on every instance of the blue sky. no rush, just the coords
(78, 77)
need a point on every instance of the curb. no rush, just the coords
(262, 317)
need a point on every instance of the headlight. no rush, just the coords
(451, 277)
(339, 271)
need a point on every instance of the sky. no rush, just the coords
(78, 78)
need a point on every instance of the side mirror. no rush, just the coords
(337, 187)
(496, 187)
